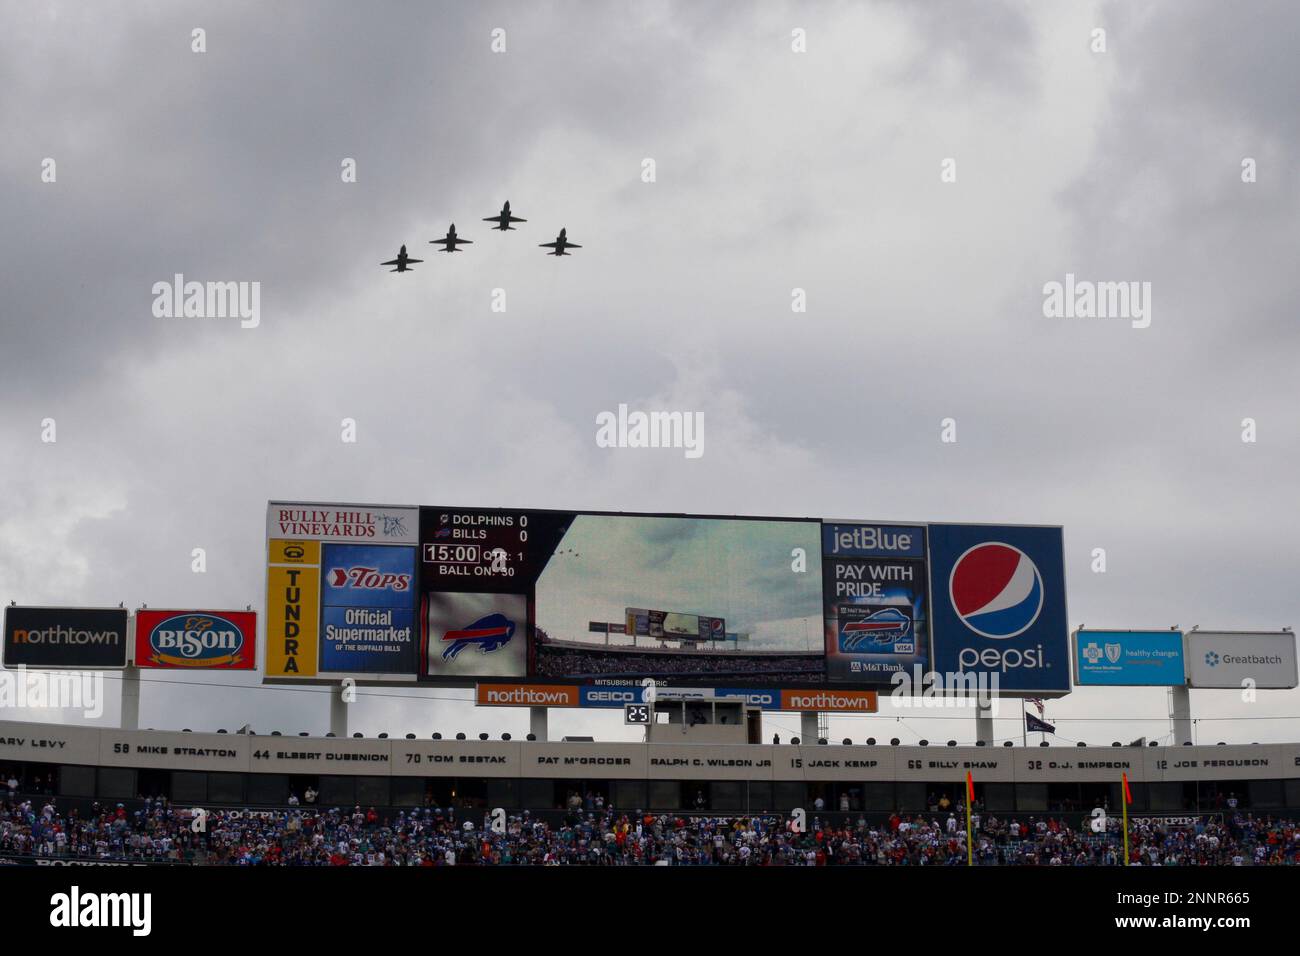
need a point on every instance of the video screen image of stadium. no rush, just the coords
(681, 598)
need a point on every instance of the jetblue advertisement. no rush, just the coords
(368, 600)
(874, 598)
(999, 604)
(1129, 658)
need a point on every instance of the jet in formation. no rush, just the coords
(503, 219)
(403, 262)
(449, 241)
(560, 244)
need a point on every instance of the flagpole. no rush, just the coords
(1124, 797)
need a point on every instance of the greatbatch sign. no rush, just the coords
(1241, 658)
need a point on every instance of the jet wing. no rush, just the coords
(409, 261)
(572, 245)
(517, 219)
(550, 245)
(392, 262)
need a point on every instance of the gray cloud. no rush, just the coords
(775, 171)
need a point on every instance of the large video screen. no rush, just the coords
(681, 598)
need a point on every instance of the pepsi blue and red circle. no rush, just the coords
(996, 590)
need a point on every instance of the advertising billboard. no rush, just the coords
(206, 640)
(876, 610)
(82, 638)
(999, 605)
(464, 596)
(368, 598)
(1129, 658)
(1231, 658)
(346, 523)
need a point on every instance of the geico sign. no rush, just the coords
(613, 696)
(993, 659)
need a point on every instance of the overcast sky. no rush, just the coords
(776, 170)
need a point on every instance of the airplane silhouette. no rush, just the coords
(503, 219)
(450, 241)
(403, 262)
(559, 245)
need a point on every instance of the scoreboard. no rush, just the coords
(488, 550)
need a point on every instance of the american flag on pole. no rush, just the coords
(1038, 703)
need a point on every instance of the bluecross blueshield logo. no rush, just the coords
(488, 634)
(996, 590)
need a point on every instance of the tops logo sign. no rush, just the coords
(223, 640)
(367, 575)
(369, 579)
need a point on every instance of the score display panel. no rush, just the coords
(478, 574)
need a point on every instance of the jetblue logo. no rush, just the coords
(887, 541)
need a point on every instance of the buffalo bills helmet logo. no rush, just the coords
(882, 627)
(488, 634)
(996, 590)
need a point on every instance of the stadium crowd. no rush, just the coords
(432, 836)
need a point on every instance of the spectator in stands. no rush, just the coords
(844, 802)
(310, 795)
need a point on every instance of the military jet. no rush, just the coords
(503, 219)
(559, 245)
(403, 262)
(449, 242)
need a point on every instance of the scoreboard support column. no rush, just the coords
(984, 722)
(537, 721)
(808, 721)
(130, 699)
(338, 713)
(1180, 712)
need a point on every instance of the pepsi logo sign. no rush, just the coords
(996, 590)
